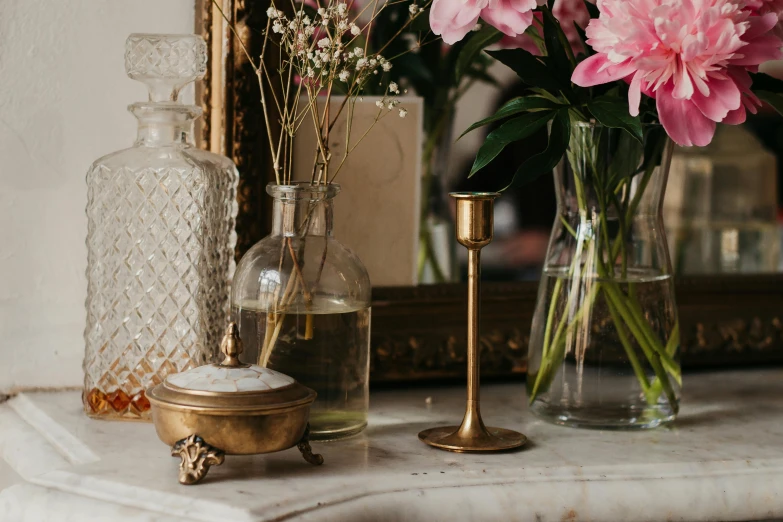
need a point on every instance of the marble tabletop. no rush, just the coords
(722, 460)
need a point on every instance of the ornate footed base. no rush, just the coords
(197, 457)
(303, 446)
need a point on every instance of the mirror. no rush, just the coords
(726, 238)
(721, 207)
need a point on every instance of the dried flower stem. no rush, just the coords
(314, 54)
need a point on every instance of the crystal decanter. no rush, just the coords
(160, 239)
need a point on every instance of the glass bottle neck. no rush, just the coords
(158, 135)
(302, 217)
(164, 124)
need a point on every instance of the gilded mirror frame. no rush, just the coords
(419, 333)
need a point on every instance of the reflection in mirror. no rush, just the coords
(721, 211)
(721, 206)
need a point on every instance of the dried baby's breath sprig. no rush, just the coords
(323, 52)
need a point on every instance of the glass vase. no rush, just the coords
(160, 240)
(604, 346)
(437, 260)
(302, 303)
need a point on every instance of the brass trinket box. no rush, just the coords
(230, 408)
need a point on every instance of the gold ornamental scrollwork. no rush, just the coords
(402, 357)
(196, 457)
(236, 106)
(204, 20)
(735, 336)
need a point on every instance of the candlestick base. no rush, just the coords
(489, 439)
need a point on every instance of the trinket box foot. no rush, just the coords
(196, 458)
(307, 452)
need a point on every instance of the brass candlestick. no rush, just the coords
(474, 231)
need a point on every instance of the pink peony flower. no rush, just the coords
(453, 19)
(692, 56)
(762, 7)
(567, 13)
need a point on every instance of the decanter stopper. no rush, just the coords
(165, 62)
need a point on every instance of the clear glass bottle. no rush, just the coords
(302, 303)
(160, 239)
(604, 345)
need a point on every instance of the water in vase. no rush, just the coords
(324, 346)
(594, 371)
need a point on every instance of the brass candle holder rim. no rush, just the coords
(474, 195)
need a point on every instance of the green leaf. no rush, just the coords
(557, 55)
(774, 99)
(592, 9)
(483, 76)
(654, 142)
(479, 70)
(515, 106)
(543, 162)
(543, 93)
(626, 159)
(511, 131)
(414, 69)
(533, 33)
(476, 42)
(421, 24)
(583, 39)
(613, 113)
(530, 69)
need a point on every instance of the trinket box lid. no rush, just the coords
(231, 386)
(227, 379)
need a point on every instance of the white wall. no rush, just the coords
(63, 99)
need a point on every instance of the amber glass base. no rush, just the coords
(116, 405)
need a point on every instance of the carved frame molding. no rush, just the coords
(419, 333)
